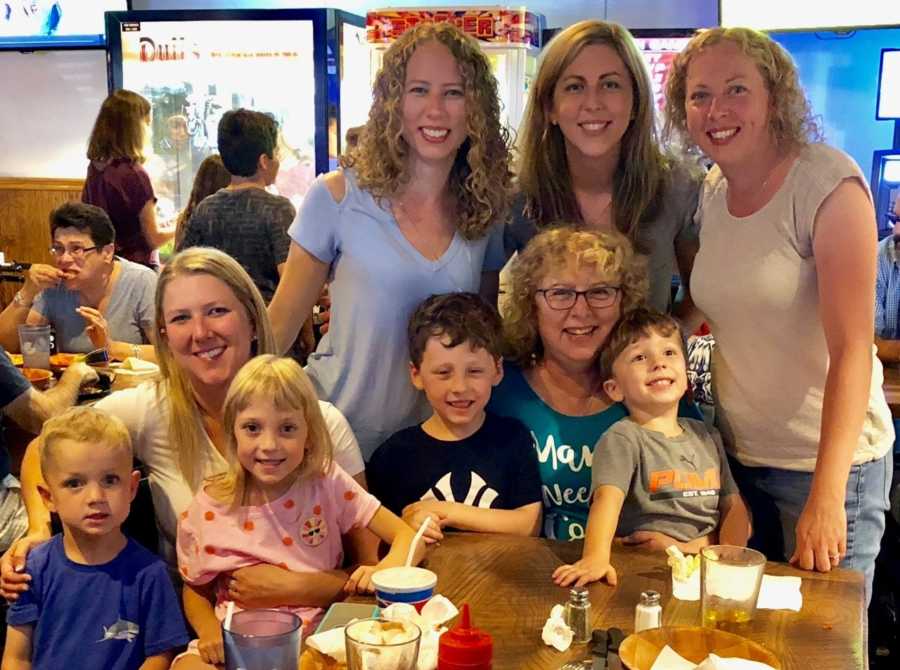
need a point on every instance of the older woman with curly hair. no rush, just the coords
(410, 214)
(567, 291)
(785, 276)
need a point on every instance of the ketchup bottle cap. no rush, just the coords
(465, 647)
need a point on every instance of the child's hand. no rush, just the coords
(584, 572)
(414, 515)
(361, 580)
(652, 540)
(211, 647)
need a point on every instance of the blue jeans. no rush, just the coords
(776, 498)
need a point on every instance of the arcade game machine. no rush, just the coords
(511, 38)
(886, 162)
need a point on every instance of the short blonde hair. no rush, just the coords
(791, 121)
(282, 382)
(557, 249)
(83, 424)
(119, 129)
(185, 434)
(480, 180)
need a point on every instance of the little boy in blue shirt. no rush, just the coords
(96, 598)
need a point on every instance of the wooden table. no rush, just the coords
(506, 581)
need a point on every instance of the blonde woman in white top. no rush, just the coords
(784, 276)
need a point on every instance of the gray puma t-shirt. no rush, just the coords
(671, 485)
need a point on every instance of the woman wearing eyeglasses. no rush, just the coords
(91, 297)
(568, 289)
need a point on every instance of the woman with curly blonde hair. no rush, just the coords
(410, 214)
(589, 154)
(568, 289)
(785, 276)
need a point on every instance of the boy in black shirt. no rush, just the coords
(464, 468)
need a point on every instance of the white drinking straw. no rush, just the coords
(419, 533)
(229, 612)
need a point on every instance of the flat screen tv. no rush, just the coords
(888, 106)
(808, 14)
(29, 25)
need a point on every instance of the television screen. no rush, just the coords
(54, 24)
(889, 85)
(807, 14)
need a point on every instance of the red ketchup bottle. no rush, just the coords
(464, 647)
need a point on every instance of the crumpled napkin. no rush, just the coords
(436, 612)
(669, 659)
(556, 632)
(775, 593)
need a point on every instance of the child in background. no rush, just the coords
(96, 599)
(283, 507)
(463, 467)
(658, 479)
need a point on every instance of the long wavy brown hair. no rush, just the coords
(555, 250)
(481, 177)
(120, 128)
(791, 121)
(210, 177)
(542, 167)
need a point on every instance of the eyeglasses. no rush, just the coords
(74, 252)
(565, 298)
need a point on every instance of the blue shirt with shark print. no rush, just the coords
(111, 616)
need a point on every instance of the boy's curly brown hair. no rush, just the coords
(459, 317)
(481, 177)
(633, 325)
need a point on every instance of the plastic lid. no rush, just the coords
(465, 646)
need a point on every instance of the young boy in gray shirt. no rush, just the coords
(658, 479)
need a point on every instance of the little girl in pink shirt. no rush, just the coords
(280, 512)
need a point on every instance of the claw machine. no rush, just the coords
(511, 38)
(193, 66)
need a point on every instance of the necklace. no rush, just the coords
(431, 246)
(759, 195)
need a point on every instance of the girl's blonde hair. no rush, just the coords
(556, 250)
(480, 180)
(282, 382)
(186, 433)
(120, 130)
(791, 121)
(543, 170)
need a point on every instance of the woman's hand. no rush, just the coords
(13, 578)
(416, 513)
(42, 276)
(258, 586)
(361, 580)
(211, 646)
(588, 569)
(97, 328)
(821, 534)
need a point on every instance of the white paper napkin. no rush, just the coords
(780, 593)
(669, 659)
(556, 633)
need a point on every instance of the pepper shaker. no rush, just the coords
(578, 614)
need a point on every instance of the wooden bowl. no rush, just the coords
(40, 379)
(639, 650)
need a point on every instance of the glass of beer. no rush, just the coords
(729, 584)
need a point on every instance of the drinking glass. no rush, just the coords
(35, 346)
(729, 584)
(262, 639)
(379, 644)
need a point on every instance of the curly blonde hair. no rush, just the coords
(542, 169)
(282, 382)
(791, 121)
(481, 177)
(555, 250)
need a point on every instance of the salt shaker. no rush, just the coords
(578, 615)
(648, 613)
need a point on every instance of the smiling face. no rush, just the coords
(207, 329)
(270, 445)
(83, 269)
(434, 104)
(650, 373)
(593, 101)
(573, 336)
(457, 382)
(90, 486)
(727, 105)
